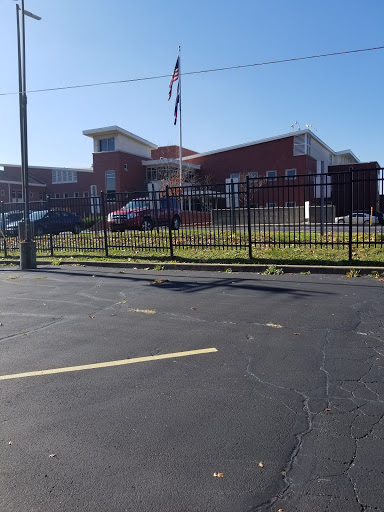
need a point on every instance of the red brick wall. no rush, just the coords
(274, 155)
(132, 179)
(170, 152)
(365, 189)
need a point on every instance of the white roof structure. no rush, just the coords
(116, 130)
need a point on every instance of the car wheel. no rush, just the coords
(146, 225)
(341, 221)
(76, 229)
(176, 222)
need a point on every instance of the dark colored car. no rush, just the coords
(144, 214)
(10, 218)
(49, 222)
(379, 216)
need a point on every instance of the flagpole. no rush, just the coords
(180, 143)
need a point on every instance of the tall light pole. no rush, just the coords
(27, 245)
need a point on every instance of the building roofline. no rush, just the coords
(116, 129)
(170, 161)
(77, 169)
(270, 139)
(31, 183)
(349, 152)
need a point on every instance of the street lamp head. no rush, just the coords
(31, 15)
(27, 13)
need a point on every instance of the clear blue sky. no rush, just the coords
(85, 41)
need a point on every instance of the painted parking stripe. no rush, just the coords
(107, 364)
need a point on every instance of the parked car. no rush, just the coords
(357, 218)
(49, 222)
(379, 216)
(10, 218)
(144, 214)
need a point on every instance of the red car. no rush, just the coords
(144, 214)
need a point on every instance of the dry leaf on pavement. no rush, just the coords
(218, 475)
(261, 464)
(146, 311)
(160, 281)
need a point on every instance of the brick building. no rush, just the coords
(125, 162)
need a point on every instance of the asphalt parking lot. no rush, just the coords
(179, 391)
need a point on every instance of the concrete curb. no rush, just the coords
(214, 267)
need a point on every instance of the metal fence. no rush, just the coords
(337, 209)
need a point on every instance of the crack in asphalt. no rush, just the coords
(32, 331)
(296, 490)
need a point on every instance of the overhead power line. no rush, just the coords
(213, 70)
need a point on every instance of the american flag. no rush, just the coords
(177, 102)
(174, 78)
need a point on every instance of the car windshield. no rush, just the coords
(37, 215)
(137, 204)
(14, 217)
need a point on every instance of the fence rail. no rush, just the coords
(340, 209)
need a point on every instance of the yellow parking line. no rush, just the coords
(107, 364)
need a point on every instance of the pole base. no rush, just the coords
(27, 255)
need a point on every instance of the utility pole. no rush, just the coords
(27, 245)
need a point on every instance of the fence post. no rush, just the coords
(169, 221)
(233, 206)
(50, 231)
(155, 201)
(322, 199)
(102, 197)
(3, 228)
(350, 213)
(249, 221)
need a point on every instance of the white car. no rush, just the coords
(357, 218)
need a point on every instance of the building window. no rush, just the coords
(66, 195)
(110, 184)
(41, 196)
(290, 204)
(17, 196)
(107, 145)
(76, 194)
(3, 192)
(271, 175)
(302, 145)
(270, 205)
(57, 196)
(235, 176)
(290, 174)
(31, 195)
(253, 174)
(64, 176)
(85, 194)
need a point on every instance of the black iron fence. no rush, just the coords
(338, 209)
